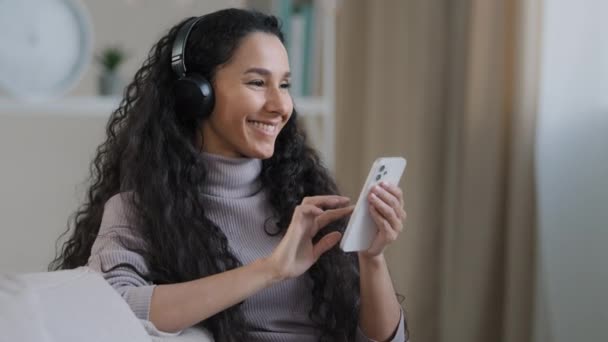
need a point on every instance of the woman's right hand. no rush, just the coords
(296, 252)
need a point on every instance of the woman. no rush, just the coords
(208, 207)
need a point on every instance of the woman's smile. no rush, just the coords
(264, 128)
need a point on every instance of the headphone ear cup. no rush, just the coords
(194, 98)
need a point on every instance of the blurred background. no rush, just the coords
(499, 106)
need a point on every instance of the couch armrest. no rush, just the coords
(73, 305)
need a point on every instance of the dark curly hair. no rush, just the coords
(151, 152)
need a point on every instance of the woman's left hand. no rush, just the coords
(386, 208)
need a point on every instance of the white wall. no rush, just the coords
(45, 158)
(136, 25)
(44, 164)
(572, 155)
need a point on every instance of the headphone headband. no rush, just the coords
(178, 62)
(194, 97)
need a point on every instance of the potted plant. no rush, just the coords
(110, 59)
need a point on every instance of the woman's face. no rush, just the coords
(252, 101)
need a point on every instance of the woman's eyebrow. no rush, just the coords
(263, 72)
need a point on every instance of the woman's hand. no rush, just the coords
(386, 208)
(296, 252)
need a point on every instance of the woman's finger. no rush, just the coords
(307, 209)
(385, 210)
(386, 228)
(331, 215)
(388, 197)
(326, 201)
(394, 190)
(303, 217)
(326, 243)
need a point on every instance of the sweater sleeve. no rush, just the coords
(110, 249)
(400, 334)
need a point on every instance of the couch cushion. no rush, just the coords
(73, 305)
(20, 318)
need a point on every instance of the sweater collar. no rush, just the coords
(231, 177)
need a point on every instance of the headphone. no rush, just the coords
(193, 93)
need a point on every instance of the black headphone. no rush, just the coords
(193, 93)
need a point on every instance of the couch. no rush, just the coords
(74, 306)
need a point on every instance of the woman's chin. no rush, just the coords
(261, 152)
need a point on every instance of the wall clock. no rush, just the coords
(45, 47)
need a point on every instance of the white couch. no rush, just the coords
(74, 306)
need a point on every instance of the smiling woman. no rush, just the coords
(208, 208)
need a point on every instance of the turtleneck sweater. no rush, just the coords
(235, 201)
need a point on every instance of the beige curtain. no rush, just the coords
(450, 85)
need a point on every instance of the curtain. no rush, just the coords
(450, 85)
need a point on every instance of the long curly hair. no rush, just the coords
(151, 152)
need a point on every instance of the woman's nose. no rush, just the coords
(279, 101)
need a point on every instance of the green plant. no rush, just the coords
(111, 57)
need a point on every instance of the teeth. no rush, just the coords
(263, 126)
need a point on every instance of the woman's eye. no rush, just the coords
(257, 83)
(286, 85)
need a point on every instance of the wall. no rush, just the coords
(136, 25)
(44, 166)
(572, 155)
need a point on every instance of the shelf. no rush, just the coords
(93, 106)
(69, 106)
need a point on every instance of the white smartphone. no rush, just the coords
(361, 230)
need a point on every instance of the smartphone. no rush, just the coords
(361, 229)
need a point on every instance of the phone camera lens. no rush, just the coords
(381, 168)
(378, 177)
